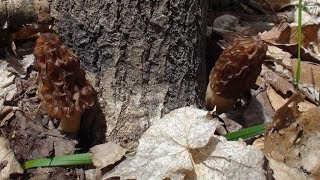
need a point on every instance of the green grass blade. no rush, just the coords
(299, 44)
(245, 133)
(67, 160)
(86, 158)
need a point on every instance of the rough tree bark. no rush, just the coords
(147, 57)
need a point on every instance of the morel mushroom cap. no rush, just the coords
(62, 87)
(235, 72)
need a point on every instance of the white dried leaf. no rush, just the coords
(106, 154)
(284, 172)
(26, 62)
(6, 154)
(164, 149)
(230, 160)
(20, 65)
(7, 86)
(182, 145)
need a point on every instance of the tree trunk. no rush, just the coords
(146, 57)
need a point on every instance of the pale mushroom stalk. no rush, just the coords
(213, 100)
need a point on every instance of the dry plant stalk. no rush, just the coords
(235, 72)
(62, 87)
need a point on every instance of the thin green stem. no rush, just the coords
(299, 44)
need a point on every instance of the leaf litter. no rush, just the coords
(182, 144)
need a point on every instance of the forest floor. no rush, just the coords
(27, 132)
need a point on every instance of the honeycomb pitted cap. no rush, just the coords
(235, 72)
(62, 86)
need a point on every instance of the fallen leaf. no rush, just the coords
(7, 87)
(20, 65)
(258, 143)
(6, 154)
(292, 140)
(163, 150)
(106, 154)
(309, 79)
(306, 54)
(5, 114)
(281, 57)
(224, 159)
(275, 34)
(309, 35)
(279, 83)
(284, 172)
(277, 101)
(286, 113)
(182, 145)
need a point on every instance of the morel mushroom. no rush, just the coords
(62, 87)
(234, 73)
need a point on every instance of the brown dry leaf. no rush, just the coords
(106, 154)
(292, 142)
(306, 54)
(286, 67)
(281, 57)
(309, 79)
(276, 34)
(279, 83)
(6, 154)
(309, 35)
(286, 112)
(258, 143)
(5, 114)
(27, 85)
(277, 101)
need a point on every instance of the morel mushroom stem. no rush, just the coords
(214, 100)
(62, 87)
(72, 124)
(235, 72)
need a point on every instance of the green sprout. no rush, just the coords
(299, 44)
